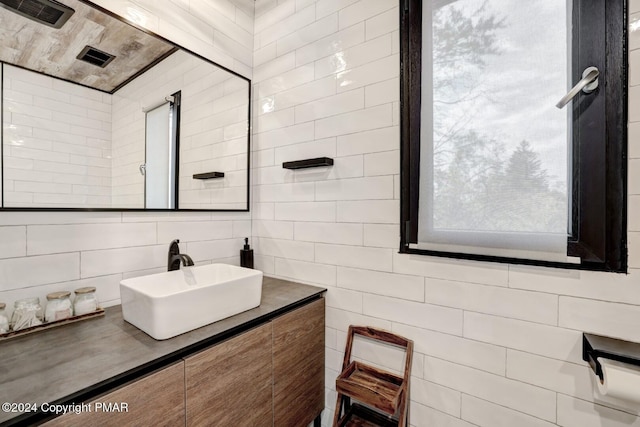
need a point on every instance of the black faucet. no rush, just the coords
(176, 258)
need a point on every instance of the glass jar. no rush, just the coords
(4, 321)
(27, 312)
(86, 301)
(58, 306)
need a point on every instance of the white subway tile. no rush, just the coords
(273, 229)
(387, 284)
(455, 349)
(16, 273)
(524, 305)
(194, 231)
(242, 228)
(356, 189)
(289, 27)
(382, 235)
(13, 242)
(291, 249)
(425, 416)
(486, 414)
(306, 211)
(306, 272)
(354, 256)
(353, 122)
(587, 284)
(285, 136)
(215, 249)
(362, 10)
(385, 139)
(324, 232)
(326, 46)
(579, 413)
(275, 67)
(497, 389)
(294, 192)
(330, 106)
(266, 264)
(354, 56)
(382, 93)
(382, 24)
(309, 34)
(385, 163)
(43, 239)
(343, 299)
(273, 16)
(306, 92)
(549, 341)
(110, 261)
(599, 317)
(448, 269)
(325, 7)
(426, 316)
(370, 211)
(435, 396)
(368, 74)
(634, 140)
(284, 81)
(341, 320)
(275, 120)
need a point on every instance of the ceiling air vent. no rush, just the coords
(47, 12)
(94, 56)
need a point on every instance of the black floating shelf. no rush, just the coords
(209, 175)
(308, 163)
(595, 346)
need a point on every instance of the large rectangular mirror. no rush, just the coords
(98, 114)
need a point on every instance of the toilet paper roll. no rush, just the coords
(621, 380)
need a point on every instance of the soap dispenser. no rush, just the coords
(246, 255)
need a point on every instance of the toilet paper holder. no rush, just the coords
(596, 346)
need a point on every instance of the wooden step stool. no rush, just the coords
(380, 395)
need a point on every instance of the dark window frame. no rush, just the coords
(599, 197)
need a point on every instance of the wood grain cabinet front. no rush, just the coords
(155, 400)
(230, 384)
(272, 375)
(298, 365)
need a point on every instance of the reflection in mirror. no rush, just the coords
(140, 132)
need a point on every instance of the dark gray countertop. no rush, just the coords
(78, 361)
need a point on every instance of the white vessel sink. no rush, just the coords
(168, 304)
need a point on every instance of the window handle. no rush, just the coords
(587, 84)
(143, 169)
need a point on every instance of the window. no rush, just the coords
(492, 168)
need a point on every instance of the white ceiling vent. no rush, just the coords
(47, 12)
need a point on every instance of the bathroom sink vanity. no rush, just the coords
(262, 367)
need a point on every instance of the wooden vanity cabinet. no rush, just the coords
(298, 365)
(155, 400)
(272, 375)
(230, 384)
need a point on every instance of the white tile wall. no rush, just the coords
(496, 345)
(57, 142)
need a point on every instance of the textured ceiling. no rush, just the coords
(28, 44)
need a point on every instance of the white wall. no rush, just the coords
(42, 252)
(496, 345)
(220, 30)
(57, 142)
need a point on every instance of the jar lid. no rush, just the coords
(2, 305)
(58, 295)
(86, 290)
